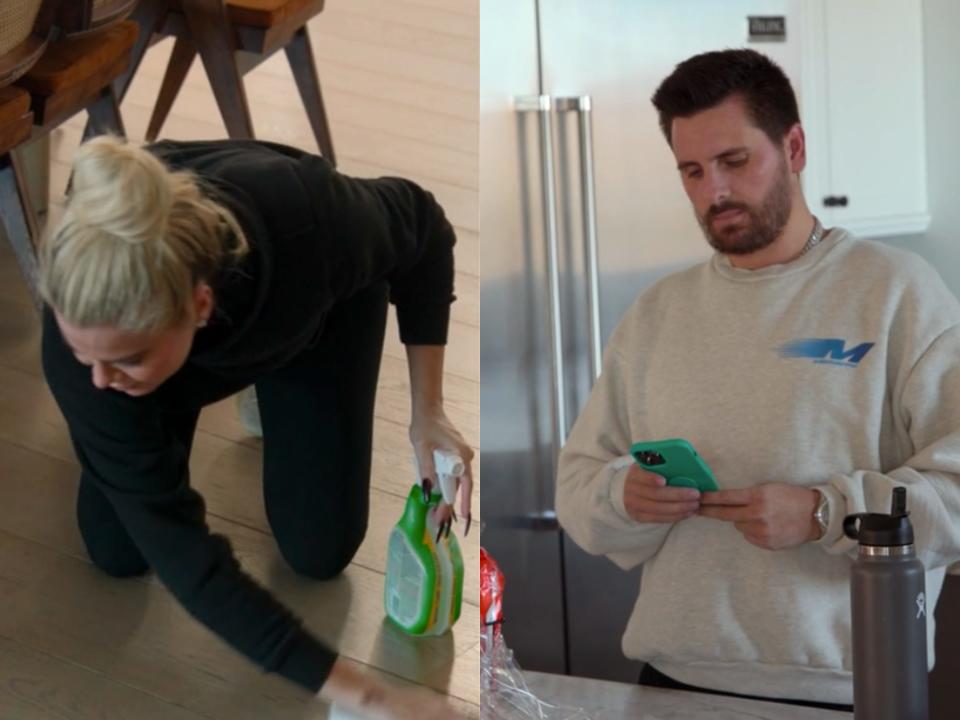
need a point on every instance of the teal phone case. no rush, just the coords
(677, 461)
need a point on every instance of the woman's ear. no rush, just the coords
(202, 303)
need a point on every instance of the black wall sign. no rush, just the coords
(768, 28)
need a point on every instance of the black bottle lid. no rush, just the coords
(881, 530)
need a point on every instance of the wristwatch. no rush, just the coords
(822, 513)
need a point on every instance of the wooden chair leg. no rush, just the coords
(18, 220)
(181, 59)
(105, 115)
(300, 56)
(213, 36)
(147, 14)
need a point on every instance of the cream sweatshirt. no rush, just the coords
(838, 371)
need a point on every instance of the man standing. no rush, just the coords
(813, 371)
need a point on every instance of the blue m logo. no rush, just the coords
(825, 350)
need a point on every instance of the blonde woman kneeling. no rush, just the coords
(184, 272)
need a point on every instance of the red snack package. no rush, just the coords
(491, 592)
(504, 694)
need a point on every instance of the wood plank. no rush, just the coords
(39, 686)
(442, 19)
(350, 80)
(70, 619)
(336, 75)
(408, 63)
(466, 7)
(195, 119)
(274, 105)
(388, 34)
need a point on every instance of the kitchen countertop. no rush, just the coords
(604, 700)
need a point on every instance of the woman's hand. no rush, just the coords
(431, 430)
(361, 695)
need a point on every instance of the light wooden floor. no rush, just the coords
(400, 79)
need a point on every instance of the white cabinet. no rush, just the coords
(862, 106)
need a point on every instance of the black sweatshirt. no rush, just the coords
(316, 237)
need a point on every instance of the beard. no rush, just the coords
(760, 227)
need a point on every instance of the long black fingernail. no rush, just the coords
(439, 532)
(427, 487)
(467, 530)
(454, 515)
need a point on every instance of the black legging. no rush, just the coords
(317, 417)
(652, 677)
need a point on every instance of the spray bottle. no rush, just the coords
(423, 590)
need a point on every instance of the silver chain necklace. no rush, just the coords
(815, 236)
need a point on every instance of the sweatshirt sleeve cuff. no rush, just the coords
(836, 511)
(619, 467)
(308, 663)
(424, 324)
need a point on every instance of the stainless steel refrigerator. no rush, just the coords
(581, 208)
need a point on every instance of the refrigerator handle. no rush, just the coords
(583, 106)
(543, 106)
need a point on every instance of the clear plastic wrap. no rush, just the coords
(504, 694)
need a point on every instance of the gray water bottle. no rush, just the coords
(889, 613)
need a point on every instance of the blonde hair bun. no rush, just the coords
(121, 188)
(134, 240)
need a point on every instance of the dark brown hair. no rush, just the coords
(704, 81)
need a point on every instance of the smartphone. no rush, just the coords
(677, 461)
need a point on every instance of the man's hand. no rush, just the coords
(774, 516)
(648, 500)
